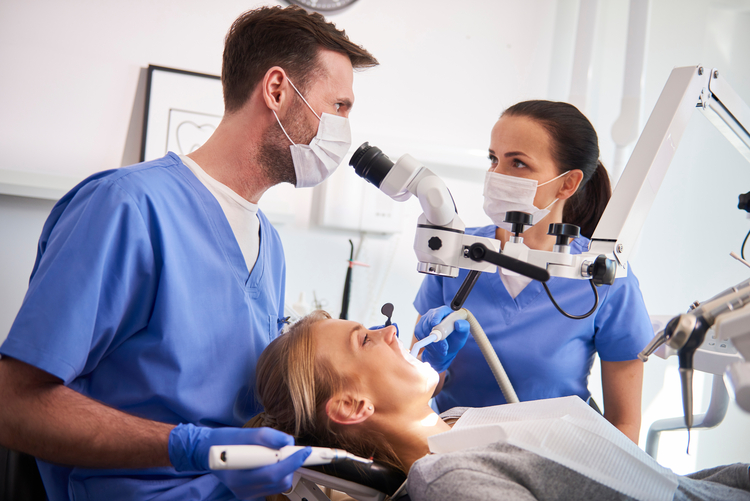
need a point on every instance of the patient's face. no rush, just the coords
(376, 362)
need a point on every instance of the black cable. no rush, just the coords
(742, 249)
(347, 286)
(575, 317)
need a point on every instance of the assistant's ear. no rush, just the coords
(273, 89)
(345, 408)
(571, 184)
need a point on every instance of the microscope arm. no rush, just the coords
(686, 89)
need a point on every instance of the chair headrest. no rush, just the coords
(375, 475)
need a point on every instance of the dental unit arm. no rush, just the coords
(728, 314)
(686, 89)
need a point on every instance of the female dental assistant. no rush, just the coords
(547, 150)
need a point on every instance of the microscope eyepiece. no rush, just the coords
(371, 163)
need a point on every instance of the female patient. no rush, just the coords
(335, 383)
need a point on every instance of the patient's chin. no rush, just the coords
(428, 374)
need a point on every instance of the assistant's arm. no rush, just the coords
(623, 328)
(440, 354)
(42, 417)
(622, 384)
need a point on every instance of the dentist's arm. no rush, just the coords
(42, 417)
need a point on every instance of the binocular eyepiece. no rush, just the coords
(371, 163)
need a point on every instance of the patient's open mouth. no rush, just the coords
(422, 367)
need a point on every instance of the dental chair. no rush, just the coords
(19, 477)
(373, 482)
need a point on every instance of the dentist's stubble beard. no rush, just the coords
(275, 157)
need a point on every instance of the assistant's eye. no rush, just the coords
(518, 164)
(366, 339)
(492, 158)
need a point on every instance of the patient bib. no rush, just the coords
(565, 430)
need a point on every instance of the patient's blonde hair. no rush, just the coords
(294, 385)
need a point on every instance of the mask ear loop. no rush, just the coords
(553, 179)
(282, 128)
(303, 98)
(550, 205)
(547, 182)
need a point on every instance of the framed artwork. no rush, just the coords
(182, 110)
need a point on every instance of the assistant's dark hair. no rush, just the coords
(289, 37)
(574, 146)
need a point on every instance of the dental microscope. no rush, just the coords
(442, 247)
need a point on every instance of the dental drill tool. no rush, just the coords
(440, 331)
(245, 457)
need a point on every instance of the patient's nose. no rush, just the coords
(389, 334)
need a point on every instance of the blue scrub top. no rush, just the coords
(545, 354)
(140, 298)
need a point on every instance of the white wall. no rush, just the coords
(68, 92)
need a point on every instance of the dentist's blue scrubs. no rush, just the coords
(140, 298)
(545, 354)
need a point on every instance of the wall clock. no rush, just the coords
(323, 5)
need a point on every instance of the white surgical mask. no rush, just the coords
(313, 163)
(503, 194)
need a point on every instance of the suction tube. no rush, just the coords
(422, 343)
(489, 354)
(444, 329)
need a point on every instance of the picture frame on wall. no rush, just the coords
(182, 109)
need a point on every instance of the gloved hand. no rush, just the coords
(440, 355)
(188, 451)
(378, 327)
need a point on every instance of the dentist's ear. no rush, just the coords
(345, 408)
(273, 89)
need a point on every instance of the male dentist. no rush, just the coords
(156, 286)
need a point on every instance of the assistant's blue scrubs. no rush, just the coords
(545, 354)
(140, 298)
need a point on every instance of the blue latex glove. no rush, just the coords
(378, 327)
(188, 451)
(440, 355)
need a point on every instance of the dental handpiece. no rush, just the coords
(440, 331)
(245, 457)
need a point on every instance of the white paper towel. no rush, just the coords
(565, 430)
